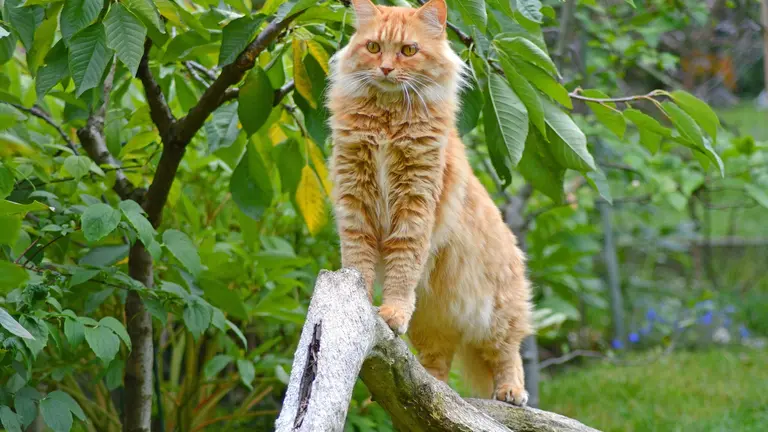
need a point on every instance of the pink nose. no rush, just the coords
(386, 70)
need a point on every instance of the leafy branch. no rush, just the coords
(41, 114)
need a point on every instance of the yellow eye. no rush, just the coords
(409, 50)
(373, 47)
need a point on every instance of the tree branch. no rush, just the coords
(343, 336)
(39, 113)
(187, 127)
(158, 107)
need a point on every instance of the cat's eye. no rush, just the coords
(373, 47)
(409, 50)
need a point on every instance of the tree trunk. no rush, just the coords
(612, 267)
(343, 337)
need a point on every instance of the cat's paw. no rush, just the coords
(514, 394)
(395, 317)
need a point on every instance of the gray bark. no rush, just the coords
(612, 267)
(343, 337)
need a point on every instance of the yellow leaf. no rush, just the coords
(319, 162)
(168, 10)
(319, 53)
(309, 197)
(300, 74)
(276, 134)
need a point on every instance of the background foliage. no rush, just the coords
(105, 103)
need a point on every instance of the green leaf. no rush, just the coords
(98, 221)
(525, 91)
(7, 47)
(197, 317)
(255, 100)
(250, 184)
(239, 333)
(472, 12)
(224, 298)
(55, 69)
(56, 414)
(537, 166)
(291, 7)
(472, 102)
(701, 113)
(216, 365)
(77, 166)
(677, 200)
(103, 341)
(526, 50)
(530, 9)
(135, 216)
(44, 36)
(236, 36)
(74, 331)
(568, 144)
(544, 82)
(651, 131)
(12, 208)
(23, 19)
(7, 181)
(113, 377)
(39, 331)
(13, 326)
(147, 10)
(9, 419)
(117, 327)
(247, 372)
(125, 35)
(81, 276)
(11, 276)
(684, 124)
(25, 407)
(11, 229)
(69, 402)
(599, 182)
(88, 57)
(223, 129)
(509, 123)
(183, 249)
(758, 194)
(77, 15)
(607, 113)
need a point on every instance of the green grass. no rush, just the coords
(686, 391)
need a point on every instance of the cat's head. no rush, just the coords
(399, 50)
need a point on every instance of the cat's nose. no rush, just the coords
(386, 70)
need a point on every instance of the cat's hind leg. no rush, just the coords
(435, 346)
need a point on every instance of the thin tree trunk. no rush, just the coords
(612, 267)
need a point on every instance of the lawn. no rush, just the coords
(685, 391)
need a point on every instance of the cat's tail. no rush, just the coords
(476, 372)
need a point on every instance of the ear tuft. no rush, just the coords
(435, 14)
(365, 12)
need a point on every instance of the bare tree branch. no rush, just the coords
(280, 93)
(39, 113)
(343, 336)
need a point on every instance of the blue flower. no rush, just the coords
(706, 319)
(617, 344)
(634, 337)
(743, 332)
(729, 309)
(651, 315)
(727, 322)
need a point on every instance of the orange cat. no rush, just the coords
(408, 204)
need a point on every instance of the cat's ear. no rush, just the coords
(365, 12)
(435, 14)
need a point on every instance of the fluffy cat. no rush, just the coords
(410, 209)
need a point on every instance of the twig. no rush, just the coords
(27, 250)
(37, 252)
(38, 112)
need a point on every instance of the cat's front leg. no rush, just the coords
(413, 193)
